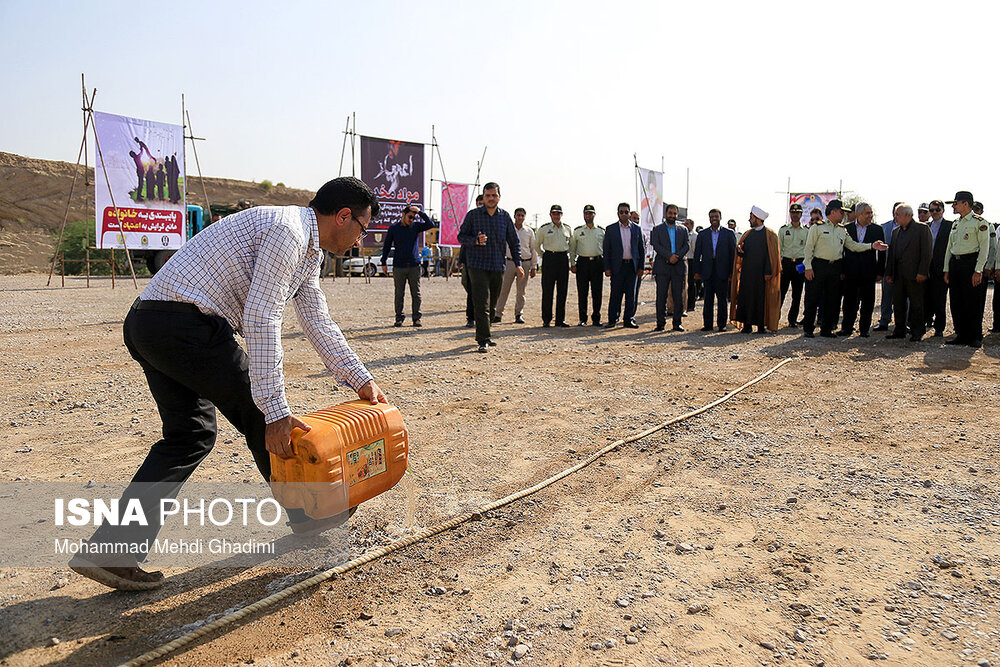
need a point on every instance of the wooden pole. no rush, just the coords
(194, 148)
(88, 266)
(343, 147)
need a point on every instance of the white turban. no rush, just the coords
(758, 212)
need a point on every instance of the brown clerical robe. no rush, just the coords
(772, 282)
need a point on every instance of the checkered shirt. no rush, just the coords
(244, 268)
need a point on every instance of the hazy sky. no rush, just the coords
(896, 99)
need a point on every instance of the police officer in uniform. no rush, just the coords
(792, 242)
(823, 262)
(586, 250)
(552, 243)
(965, 260)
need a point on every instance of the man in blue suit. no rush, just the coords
(714, 252)
(670, 241)
(623, 262)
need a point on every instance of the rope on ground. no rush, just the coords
(315, 580)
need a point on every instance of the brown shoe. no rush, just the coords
(122, 578)
(317, 526)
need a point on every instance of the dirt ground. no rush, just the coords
(843, 510)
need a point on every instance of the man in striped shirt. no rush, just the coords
(235, 277)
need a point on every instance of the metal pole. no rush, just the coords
(343, 147)
(201, 178)
(430, 194)
(354, 133)
(687, 193)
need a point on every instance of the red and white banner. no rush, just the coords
(809, 201)
(454, 206)
(144, 207)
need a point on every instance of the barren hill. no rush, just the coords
(33, 195)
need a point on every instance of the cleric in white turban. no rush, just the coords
(756, 277)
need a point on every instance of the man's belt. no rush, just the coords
(166, 306)
(556, 252)
(589, 257)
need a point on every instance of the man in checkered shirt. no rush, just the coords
(235, 277)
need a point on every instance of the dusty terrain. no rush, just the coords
(843, 510)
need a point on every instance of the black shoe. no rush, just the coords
(827, 334)
(677, 327)
(864, 334)
(491, 343)
(955, 341)
(746, 330)
(596, 323)
(658, 327)
(546, 324)
(808, 334)
(793, 324)
(895, 336)
(916, 339)
(562, 324)
(397, 323)
(495, 320)
(708, 328)
(582, 323)
(483, 347)
(881, 327)
(631, 325)
(722, 327)
(845, 332)
(993, 330)
(761, 330)
(976, 343)
(518, 320)
(469, 324)
(417, 323)
(938, 334)
(610, 325)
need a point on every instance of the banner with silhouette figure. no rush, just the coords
(144, 207)
(395, 171)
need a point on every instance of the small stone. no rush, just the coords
(520, 651)
(622, 602)
(89, 485)
(61, 582)
(366, 616)
(567, 625)
(53, 641)
(393, 632)
(983, 663)
(448, 646)
(631, 639)
(949, 635)
(611, 643)
(914, 585)
(683, 548)
(766, 645)
(856, 609)
(927, 483)
(697, 608)
(792, 501)
(596, 646)
(799, 636)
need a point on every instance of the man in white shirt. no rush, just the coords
(234, 277)
(529, 260)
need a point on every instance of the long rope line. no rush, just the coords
(315, 580)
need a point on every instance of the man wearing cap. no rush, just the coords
(862, 270)
(936, 290)
(757, 277)
(964, 260)
(552, 243)
(823, 262)
(624, 261)
(731, 224)
(586, 250)
(989, 270)
(907, 265)
(714, 255)
(885, 307)
(670, 241)
(529, 259)
(792, 240)
(924, 214)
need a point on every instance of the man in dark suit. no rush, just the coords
(714, 251)
(670, 241)
(907, 265)
(936, 289)
(623, 262)
(861, 271)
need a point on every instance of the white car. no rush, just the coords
(367, 266)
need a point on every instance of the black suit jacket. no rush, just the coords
(940, 245)
(865, 265)
(720, 266)
(659, 238)
(909, 253)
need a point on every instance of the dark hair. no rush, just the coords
(715, 210)
(345, 192)
(938, 202)
(624, 204)
(520, 210)
(671, 206)
(492, 186)
(479, 200)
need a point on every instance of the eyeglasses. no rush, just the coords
(364, 230)
(934, 210)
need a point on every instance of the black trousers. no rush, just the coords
(791, 276)
(693, 285)
(193, 366)
(623, 284)
(555, 278)
(996, 304)
(935, 301)
(716, 290)
(485, 290)
(826, 285)
(672, 282)
(470, 313)
(908, 307)
(590, 277)
(859, 293)
(966, 313)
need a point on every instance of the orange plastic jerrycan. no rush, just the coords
(354, 452)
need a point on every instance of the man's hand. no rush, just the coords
(888, 280)
(481, 239)
(278, 436)
(878, 279)
(810, 274)
(880, 246)
(697, 276)
(921, 278)
(531, 274)
(369, 391)
(674, 259)
(385, 269)
(608, 273)
(945, 277)
(520, 271)
(977, 278)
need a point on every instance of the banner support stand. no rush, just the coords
(186, 125)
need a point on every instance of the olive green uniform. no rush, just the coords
(967, 253)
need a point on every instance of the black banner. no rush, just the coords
(395, 171)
